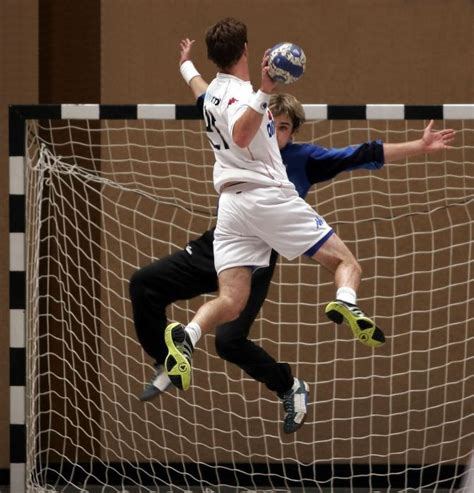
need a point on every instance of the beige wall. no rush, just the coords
(391, 51)
(368, 51)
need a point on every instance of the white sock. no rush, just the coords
(194, 332)
(347, 294)
(162, 381)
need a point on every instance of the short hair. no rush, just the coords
(225, 42)
(286, 104)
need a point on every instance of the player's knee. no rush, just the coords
(357, 268)
(352, 263)
(233, 311)
(233, 306)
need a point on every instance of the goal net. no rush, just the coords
(105, 197)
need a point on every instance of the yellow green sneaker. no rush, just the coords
(361, 325)
(178, 361)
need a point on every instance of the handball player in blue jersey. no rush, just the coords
(191, 272)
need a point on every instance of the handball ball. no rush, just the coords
(286, 63)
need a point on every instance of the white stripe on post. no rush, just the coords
(17, 328)
(17, 478)
(316, 111)
(17, 405)
(17, 251)
(385, 112)
(80, 111)
(156, 111)
(17, 175)
(458, 111)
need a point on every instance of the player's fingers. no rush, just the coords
(430, 125)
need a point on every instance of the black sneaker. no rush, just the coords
(156, 386)
(295, 402)
(361, 325)
(178, 362)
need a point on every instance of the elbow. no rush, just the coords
(242, 143)
(241, 139)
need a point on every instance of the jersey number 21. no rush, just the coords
(212, 129)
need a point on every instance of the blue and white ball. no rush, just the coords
(286, 63)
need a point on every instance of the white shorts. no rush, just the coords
(252, 220)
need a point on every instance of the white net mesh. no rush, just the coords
(108, 197)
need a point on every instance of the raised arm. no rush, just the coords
(190, 75)
(246, 127)
(431, 141)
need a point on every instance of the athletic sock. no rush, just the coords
(194, 332)
(346, 294)
(162, 382)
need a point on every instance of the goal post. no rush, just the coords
(97, 191)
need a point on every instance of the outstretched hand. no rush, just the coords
(437, 140)
(185, 46)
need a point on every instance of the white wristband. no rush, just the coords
(188, 71)
(259, 102)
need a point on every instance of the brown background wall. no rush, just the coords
(358, 52)
(19, 84)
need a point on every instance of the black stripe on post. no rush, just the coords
(423, 112)
(17, 444)
(16, 132)
(38, 111)
(17, 116)
(188, 112)
(17, 213)
(346, 112)
(17, 290)
(17, 366)
(118, 111)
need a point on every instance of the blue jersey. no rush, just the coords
(307, 164)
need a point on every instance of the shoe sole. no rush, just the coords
(176, 364)
(370, 335)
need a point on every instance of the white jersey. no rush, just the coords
(227, 97)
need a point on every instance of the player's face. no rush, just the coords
(284, 130)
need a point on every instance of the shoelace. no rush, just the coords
(183, 342)
(288, 402)
(356, 310)
(187, 349)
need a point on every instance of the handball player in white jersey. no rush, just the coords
(259, 208)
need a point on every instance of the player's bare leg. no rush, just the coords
(338, 259)
(234, 290)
